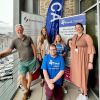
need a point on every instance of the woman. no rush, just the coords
(69, 43)
(42, 48)
(60, 45)
(82, 53)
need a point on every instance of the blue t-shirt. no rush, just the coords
(53, 66)
(61, 48)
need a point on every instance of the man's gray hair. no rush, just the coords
(17, 25)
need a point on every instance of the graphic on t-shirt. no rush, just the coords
(55, 65)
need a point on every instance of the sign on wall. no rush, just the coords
(67, 25)
(32, 24)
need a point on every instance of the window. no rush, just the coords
(91, 29)
(30, 6)
(84, 4)
(36, 6)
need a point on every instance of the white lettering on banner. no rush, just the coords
(57, 3)
(55, 16)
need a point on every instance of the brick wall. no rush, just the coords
(69, 7)
(44, 7)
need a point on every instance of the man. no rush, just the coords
(27, 53)
(53, 70)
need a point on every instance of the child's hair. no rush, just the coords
(70, 39)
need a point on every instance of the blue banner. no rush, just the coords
(67, 25)
(71, 21)
(52, 20)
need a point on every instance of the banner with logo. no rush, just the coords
(32, 24)
(67, 25)
(52, 20)
(67, 30)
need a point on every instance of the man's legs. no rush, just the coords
(29, 79)
(30, 69)
(58, 93)
(27, 68)
(49, 93)
(24, 81)
(24, 84)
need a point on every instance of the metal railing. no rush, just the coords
(8, 85)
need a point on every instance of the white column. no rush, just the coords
(16, 14)
(29, 6)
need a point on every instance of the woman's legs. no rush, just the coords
(83, 91)
(42, 76)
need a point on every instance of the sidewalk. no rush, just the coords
(38, 93)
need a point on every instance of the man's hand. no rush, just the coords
(34, 50)
(51, 81)
(5, 52)
(58, 76)
(0, 55)
(51, 86)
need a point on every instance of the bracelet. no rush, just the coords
(91, 62)
(38, 53)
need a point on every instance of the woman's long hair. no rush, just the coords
(46, 35)
(61, 41)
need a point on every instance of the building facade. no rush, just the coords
(69, 7)
(72, 7)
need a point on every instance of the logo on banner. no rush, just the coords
(63, 22)
(67, 25)
(55, 15)
(26, 19)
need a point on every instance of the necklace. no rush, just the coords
(77, 39)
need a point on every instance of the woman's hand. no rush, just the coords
(90, 66)
(39, 57)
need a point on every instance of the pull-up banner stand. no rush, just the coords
(67, 25)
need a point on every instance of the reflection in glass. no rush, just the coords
(36, 6)
(92, 30)
(84, 4)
